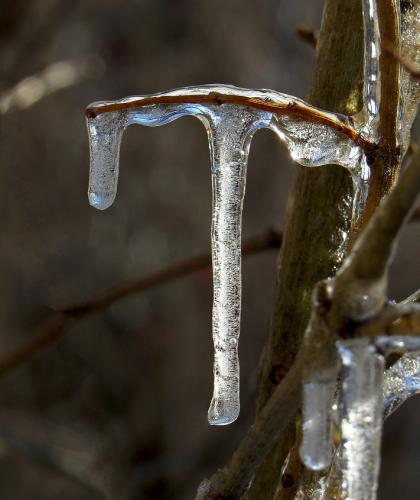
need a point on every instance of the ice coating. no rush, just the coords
(230, 132)
(401, 381)
(361, 415)
(316, 447)
(313, 137)
(368, 116)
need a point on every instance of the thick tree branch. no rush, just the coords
(312, 252)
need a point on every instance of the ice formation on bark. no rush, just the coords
(402, 381)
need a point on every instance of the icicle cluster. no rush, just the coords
(366, 396)
(313, 137)
(313, 141)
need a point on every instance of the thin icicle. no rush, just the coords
(316, 448)
(361, 411)
(368, 117)
(230, 133)
(105, 132)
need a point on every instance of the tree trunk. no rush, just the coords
(318, 220)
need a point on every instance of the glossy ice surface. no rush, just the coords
(230, 128)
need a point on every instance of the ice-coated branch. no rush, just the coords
(401, 382)
(394, 319)
(231, 116)
(276, 103)
(360, 285)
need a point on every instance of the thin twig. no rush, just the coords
(308, 34)
(58, 323)
(410, 67)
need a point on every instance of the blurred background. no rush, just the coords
(117, 407)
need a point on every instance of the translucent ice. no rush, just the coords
(231, 116)
(316, 447)
(367, 119)
(361, 413)
(402, 381)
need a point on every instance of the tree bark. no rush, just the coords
(318, 218)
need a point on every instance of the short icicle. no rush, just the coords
(316, 447)
(361, 414)
(105, 132)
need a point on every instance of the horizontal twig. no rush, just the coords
(58, 323)
(308, 34)
(292, 108)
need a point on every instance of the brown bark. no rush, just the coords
(319, 211)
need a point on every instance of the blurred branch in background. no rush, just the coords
(56, 76)
(58, 323)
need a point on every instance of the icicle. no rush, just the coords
(231, 116)
(368, 117)
(230, 133)
(361, 411)
(316, 447)
(105, 132)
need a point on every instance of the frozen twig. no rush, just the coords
(360, 285)
(308, 34)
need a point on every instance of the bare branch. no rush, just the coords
(308, 35)
(290, 107)
(57, 325)
(360, 285)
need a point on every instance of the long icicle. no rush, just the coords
(361, 414)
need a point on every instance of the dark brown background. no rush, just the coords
(118, 406)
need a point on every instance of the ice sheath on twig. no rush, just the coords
(231, 116)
